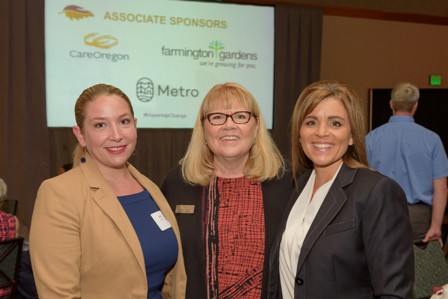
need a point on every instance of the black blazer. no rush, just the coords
(358, 246)
(276, 194)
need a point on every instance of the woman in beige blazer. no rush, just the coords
(84, 240)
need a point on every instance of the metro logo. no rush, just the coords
(145, 89)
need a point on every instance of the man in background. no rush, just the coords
(414, 157)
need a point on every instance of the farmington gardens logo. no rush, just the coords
(146, 90)
(215, 50)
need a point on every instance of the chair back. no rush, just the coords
(431, 269)
(10, 258)
(9, 206)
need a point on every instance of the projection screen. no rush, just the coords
(165, 55)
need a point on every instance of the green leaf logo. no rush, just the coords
(216, 46)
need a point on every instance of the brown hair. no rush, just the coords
(312, 96)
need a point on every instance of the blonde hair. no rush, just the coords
(404, 96)
(87, 96)
(265, 160)
(3, 190)
(312, 96)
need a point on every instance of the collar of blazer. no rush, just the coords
(102, 194)
(345, 177)
(330, 207)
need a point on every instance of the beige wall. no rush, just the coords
(421, 7)
(435, 8)
(370, 53)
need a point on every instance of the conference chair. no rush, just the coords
(10, 258)
(431, 268)
(9, 206)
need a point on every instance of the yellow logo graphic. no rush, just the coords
(76, 12)
(101, 41)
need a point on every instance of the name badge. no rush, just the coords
(184, 209)
(160, 220)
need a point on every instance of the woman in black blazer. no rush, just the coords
(346, 233)
(229, 194)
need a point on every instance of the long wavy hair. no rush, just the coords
(313, 95)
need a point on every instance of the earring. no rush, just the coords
(83, 158)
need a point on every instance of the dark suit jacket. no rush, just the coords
(276, 195)
(358, 246)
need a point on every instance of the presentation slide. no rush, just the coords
(165, 55)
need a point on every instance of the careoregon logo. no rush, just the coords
(76, 12)
(145, 89)
(100, 41)
(216, 46)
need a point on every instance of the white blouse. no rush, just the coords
(299, 221)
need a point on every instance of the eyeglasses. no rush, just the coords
(239, 117)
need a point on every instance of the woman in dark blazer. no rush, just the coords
(186, 201)
(346, 233)
(228, 195)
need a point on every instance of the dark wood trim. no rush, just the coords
(386, 16)
(354, 12)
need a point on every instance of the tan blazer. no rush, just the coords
(83, 245)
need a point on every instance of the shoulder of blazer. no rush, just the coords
(96, 180)
(174, 186)
(174, 176)
(77, 180)
(91, 173)
(141, 177)
(346, 175)
(363, 176)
